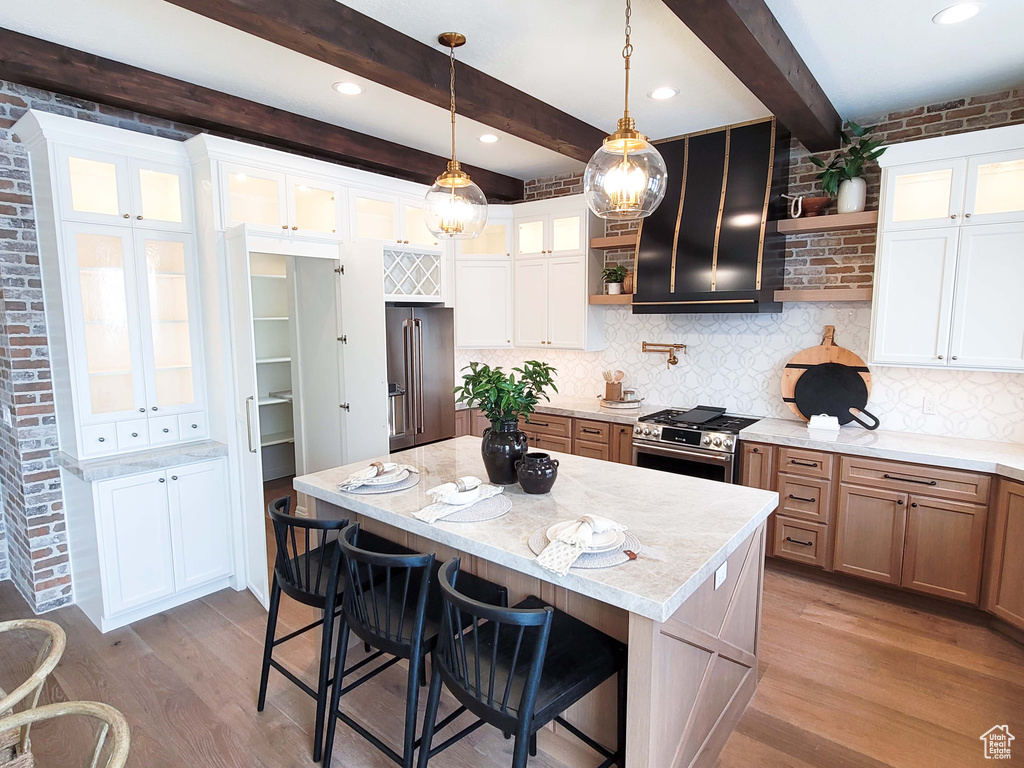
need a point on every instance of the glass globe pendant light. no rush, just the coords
(626, 178)
(454, 208)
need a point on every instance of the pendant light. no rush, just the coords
(626, 178)
(454, 208)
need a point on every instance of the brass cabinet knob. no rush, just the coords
(294, 228)
(127, 216)
(139, 217)
(967, 215)
(952, 215)
(284, 226)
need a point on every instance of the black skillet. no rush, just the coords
(834, 389)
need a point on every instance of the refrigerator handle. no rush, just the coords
(408, 354)
(418, 324)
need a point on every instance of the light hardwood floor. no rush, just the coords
(848, 680)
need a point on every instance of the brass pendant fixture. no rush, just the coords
(454, 208)
(626, 178)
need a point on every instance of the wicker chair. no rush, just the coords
(15, 751)
(111, 721)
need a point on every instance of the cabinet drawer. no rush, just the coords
(548, 425)
(590, 449)
(543, 442)
(192, 426)
(800, 540)
(807, 498)
(915, 478)
(591, 431)
(801, 462)
(99, 438)
(132, 434)
(163, 429)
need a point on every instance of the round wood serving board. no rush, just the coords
(826, 352)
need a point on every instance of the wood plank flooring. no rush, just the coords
(848, 680)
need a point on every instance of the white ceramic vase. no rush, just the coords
(614, 289)
(853, 196)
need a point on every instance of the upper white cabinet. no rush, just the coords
(950, 260)
(483, 306)
(496, 239)
(561, 231)
(413, 274)
(398, 219)
(273, 201)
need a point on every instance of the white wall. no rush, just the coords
(736, 361)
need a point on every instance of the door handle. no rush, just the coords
(408, 354)
(418, 331)
(248, 421)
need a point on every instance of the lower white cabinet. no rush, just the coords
(159, 539)
(483, 303)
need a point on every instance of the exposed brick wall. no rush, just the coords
(32, 529)
(558, 185)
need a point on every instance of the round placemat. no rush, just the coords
(401, 485)
(609, 559)
(485, 509)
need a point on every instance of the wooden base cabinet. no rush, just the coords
(757, 468)
(945, 545)
(1004, 579)
(871, 524)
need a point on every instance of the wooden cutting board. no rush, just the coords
(826, 352)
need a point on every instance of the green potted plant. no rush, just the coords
(613, 278)
(843, 175)
(503, 398)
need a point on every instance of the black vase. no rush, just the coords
(503, 445)
(537, 472)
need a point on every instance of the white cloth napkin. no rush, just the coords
(439, 510)
(445, 491)
(358, 479)
(562, 553)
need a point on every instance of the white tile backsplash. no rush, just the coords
(736, 361)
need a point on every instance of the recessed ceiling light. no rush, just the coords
(665, 92)
(957, 13)
(348, 89)
(490, 138)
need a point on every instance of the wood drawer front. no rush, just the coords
(543, 442)
(801, 462)
(591, 450)
(591, 431)
(807, 498)
(800, 540)
(915, 478)
(541, 423)
(944, 548)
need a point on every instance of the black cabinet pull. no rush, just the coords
(174, 477)
(801, 543)
(913, 503)
(539, 423)
(591, 431)
(755, 450)
(166, 430)
(135, 434)
(195, 426)
(803, 463)
(900, 502)
(101, 439)
(801, 498)
(162, 480)
(910, 480)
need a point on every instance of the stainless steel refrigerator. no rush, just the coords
(421, 375)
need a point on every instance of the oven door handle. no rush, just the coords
(672, 453)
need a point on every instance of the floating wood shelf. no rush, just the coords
(836, 222)
(824, 294)
(614, 241)
(602, 298)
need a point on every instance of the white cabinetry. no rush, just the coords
(389, 218)
(273, 201)
(950, 264)
(483, 305)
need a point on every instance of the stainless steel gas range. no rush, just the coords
(699, 442)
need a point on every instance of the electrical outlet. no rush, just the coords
(720, 574)
(928, 406)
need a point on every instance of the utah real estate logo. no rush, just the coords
(997, 742)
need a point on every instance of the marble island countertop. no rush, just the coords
(1005, 459)
(687, 527)
(590, 408)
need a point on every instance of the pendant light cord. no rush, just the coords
(627, 51)
(452, 89)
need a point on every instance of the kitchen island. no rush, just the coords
(688, 607)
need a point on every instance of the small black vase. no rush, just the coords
(537, 472)
(503, 445)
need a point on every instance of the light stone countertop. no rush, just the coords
(589, 408)
(92, 470)
(1005, 459)
(687, 526)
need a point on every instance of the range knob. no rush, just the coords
(706, 440)
(637, 430)
(647, 431)
(727, 443)
(717, 441)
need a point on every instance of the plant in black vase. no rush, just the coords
(504, 398)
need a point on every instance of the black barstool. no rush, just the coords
(392, 603)
(518, 669)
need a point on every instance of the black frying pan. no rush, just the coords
(833, 389)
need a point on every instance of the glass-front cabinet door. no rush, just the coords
(103, 316)
(93, 186)
(374, 217)
(566, 234)
(995, 188)
(254, 196)
(314, 207)
(414, 229)
(530, 236)
(924, 195)
(160, 195)
(169, 315)
(495, 240)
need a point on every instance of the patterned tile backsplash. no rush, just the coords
(736, 361)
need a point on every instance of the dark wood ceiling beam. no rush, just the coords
(330, 32)
(749, 40)
(41, 64)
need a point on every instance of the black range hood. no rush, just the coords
(708, 247)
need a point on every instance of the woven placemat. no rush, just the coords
(485, 509)
(609, 559)
(403, 485)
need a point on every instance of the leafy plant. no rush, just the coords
(501, 396)
(848, 163)
(614, 274)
